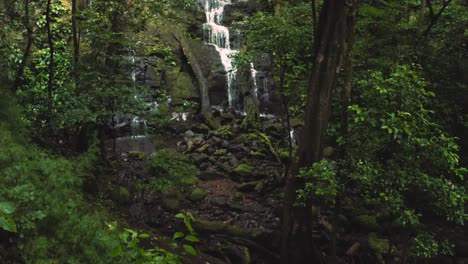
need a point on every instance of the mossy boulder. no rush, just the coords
(171, 204)
(243, 138)
(136, 154)
(220, 152)
(184, 89)
(244, 169)
(198, 194)
(189, 181)
(201, 128)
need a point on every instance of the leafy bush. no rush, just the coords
(53, 224)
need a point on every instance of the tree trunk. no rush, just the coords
(76, 46)
(50, 81)
(298, 245)
(348, 67)
(422, 13)
(27, 49)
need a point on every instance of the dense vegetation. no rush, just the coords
(363, 160)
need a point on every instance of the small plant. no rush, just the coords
(188, 218)
(129, 249)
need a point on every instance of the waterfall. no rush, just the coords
(253, 73)
(218, 35)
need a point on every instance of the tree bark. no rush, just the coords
(76, 45)
(50, 81)
(422, 13)
(27, 49)
(298, 245)
(348, 67)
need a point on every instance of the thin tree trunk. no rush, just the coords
(50, 81)
(348, 67)
(76, 45)
(314, 15)
(422, 13)
(27, 49)
(434, 20)
(298, 245)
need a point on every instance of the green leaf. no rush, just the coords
(177, 235)
(116, 251)
(144, 236)
(190, 250)
(7, 224)
(192, 238)
(180, 216)
(7, 208)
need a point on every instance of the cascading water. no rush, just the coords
(218, 35)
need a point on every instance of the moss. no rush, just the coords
(202, 128)
(192, 180)
(224, 132)
(184, 88)
(171, 204)
(243, 138)
(198, 194)
(378, 245)
(328, 152)
(202, 148)
(169, 168)
(266, 140)
(244, 169)
(123, 196)
(136, 154)
(257, 154)
(238, 196)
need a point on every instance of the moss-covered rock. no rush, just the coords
(198, 194)
(202, 148)
(244, 169)
(189, 181)
(242, 138)
(136, 154)
(201, 128)
(184, 89)
(171, 204)
(220, 152)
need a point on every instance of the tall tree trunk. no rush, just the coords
(50, 81)
(76, 45)
(348, 66)
(422, 13)
(27, 49)
(298, 245)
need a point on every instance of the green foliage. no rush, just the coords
(320, 182)
(288, 39)
(169, 168)
(427, 246)
(53, 222)
(6, 221)
(406, 161)
(129, 250)
(188, 219)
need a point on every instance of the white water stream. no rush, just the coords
(218, 36)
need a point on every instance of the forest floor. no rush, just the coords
(235, 222)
